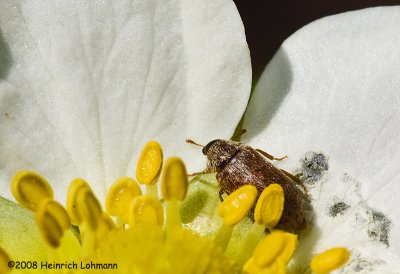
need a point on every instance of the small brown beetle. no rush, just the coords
(237, 164)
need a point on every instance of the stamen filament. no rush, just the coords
(173, 220)
(70, 247)
(152, 190)
(88, 240)
(223, 236)
(253, 237)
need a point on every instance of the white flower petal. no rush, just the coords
(333, 88)
(85, 84)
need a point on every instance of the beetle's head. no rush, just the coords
(219, 152)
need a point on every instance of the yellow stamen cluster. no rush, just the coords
(132, 228)
(137, 226)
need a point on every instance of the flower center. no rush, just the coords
(132, 235)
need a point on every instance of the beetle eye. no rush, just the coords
(207, 147)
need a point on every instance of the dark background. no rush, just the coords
(269, 23)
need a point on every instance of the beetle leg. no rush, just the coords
(297, 180)
(220, 193)
(269, 156)
(238, 134)
(200, 173)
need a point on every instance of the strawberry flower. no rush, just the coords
(85, 86)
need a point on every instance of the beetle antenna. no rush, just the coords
(238, 134)
(193, 143)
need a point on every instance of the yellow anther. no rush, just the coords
(75, 187)
(174, 183)
(146, 210)
(278, 267)
(120, 196)
(276, 246)
(57, 212)
(269, 207)
(150, 162)
(29, 189)
(89, 208)
(4, 259)
(289, 248)
(49, 227)
(237, 204)
(330, 260)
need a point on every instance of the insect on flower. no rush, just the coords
(238, 164)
